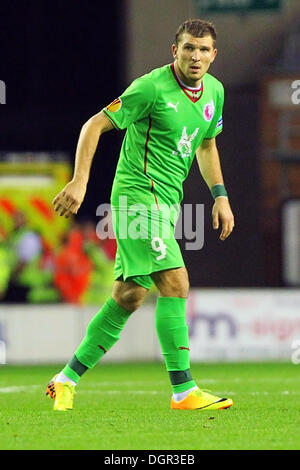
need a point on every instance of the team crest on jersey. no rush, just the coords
(115, 105)
(185, 143)
(209, 111)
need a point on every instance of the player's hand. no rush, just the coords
(68, 201)
(222, 212)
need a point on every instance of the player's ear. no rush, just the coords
(174, 51)
(215, 52)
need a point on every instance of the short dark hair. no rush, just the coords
(197, 28)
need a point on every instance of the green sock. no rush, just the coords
(102, 333)
(172, 332)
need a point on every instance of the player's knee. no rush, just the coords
(181, 290)
(172, 283)
(131, 299)
(176, 289)
(184, 291)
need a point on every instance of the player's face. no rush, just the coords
(193, 57)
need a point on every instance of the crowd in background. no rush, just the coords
(79, 270)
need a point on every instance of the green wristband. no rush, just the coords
(218, 190)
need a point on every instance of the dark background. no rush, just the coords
(237, 261)
(63, 62)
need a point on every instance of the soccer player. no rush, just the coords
(170, 114)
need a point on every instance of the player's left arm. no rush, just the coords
(210, 168)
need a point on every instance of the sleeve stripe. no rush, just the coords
(218, 131)
(111, 119)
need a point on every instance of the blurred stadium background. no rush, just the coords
(61, 62)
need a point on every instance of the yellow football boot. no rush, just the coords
(200, 400)
(62, 394)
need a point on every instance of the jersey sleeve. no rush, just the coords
(134, 104)
(216, 125)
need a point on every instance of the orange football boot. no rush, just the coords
(200, 400)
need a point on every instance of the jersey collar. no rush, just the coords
(185, 87)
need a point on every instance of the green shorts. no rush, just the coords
(145, 245)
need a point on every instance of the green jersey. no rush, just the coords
(166, 121)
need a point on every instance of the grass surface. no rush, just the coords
(127, 407)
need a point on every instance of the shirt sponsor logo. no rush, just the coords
(208, 111)
(115, 105)
(185, 143)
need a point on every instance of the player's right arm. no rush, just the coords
(134, 104)
(69, 200)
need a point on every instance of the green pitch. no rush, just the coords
(127, 407)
